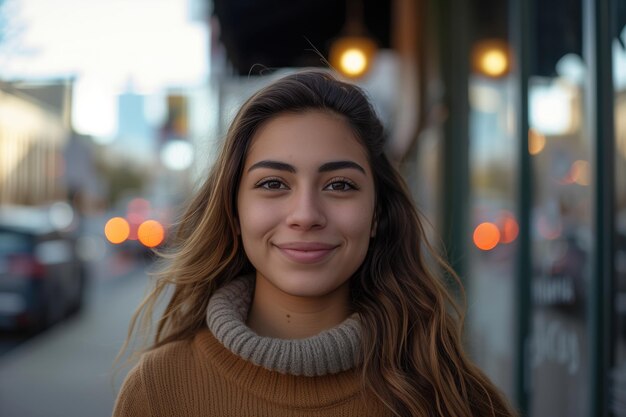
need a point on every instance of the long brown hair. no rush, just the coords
(412, 354)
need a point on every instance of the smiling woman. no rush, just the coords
(300, 286)
(306, 215)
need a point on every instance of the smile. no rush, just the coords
(306, 253)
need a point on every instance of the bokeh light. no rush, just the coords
(116, 230)
(151, 233)
(491, 58)
(536, 142)
(61, 215)
(486, 236)
(580, 172)
(177, 155)
(353, 55)
(138, 205)
(494, 62)
(353, 61)
(509, 228)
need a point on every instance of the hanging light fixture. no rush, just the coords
(491, 58)
(352, 53)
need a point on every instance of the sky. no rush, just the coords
(106, 45)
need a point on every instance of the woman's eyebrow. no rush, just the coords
(328, 166)
(281, 166)
(335, 165)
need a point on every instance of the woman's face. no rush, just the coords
(306, 203)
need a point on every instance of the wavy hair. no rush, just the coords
(412, 354)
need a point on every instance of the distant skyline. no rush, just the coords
(105, 45)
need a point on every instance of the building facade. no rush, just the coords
(525, 180)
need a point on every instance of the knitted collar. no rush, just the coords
(328, 352)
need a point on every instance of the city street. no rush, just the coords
(67, 370)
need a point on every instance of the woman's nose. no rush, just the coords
(306, 211)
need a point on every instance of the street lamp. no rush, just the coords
(352, 53)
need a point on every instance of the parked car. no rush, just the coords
(42, 279)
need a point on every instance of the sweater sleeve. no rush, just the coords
(132, 400)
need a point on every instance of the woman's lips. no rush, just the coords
(306, 252)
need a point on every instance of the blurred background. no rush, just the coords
(506, 117)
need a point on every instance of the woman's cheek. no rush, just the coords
(356, 219)
(258, 218)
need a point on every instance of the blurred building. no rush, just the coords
(509, 123)
(85, 188)
(33, 134)
(42, 159)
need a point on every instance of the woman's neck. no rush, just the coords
(274, 313)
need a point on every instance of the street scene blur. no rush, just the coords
(506, 118)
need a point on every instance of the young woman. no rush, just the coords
(300, 279)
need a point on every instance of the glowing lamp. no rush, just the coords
(491, 58)
(353, 55)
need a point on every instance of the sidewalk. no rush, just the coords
(67, 371)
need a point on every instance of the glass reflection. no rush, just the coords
(618, 375)
(494, 226)
(561, 241)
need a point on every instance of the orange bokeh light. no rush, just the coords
(536, 142)
(486, 236)
(509, 229)
(116, 230)
(151, 233)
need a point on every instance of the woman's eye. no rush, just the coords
(341, 186)
(272, 185)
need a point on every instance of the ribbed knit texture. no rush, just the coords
(213, 374)
(201, 378)
(331, 351)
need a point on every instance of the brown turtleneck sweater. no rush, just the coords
(228, 370)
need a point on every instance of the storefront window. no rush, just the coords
(423, 161)
(618, 376)
(561, 216)
(494, 228)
